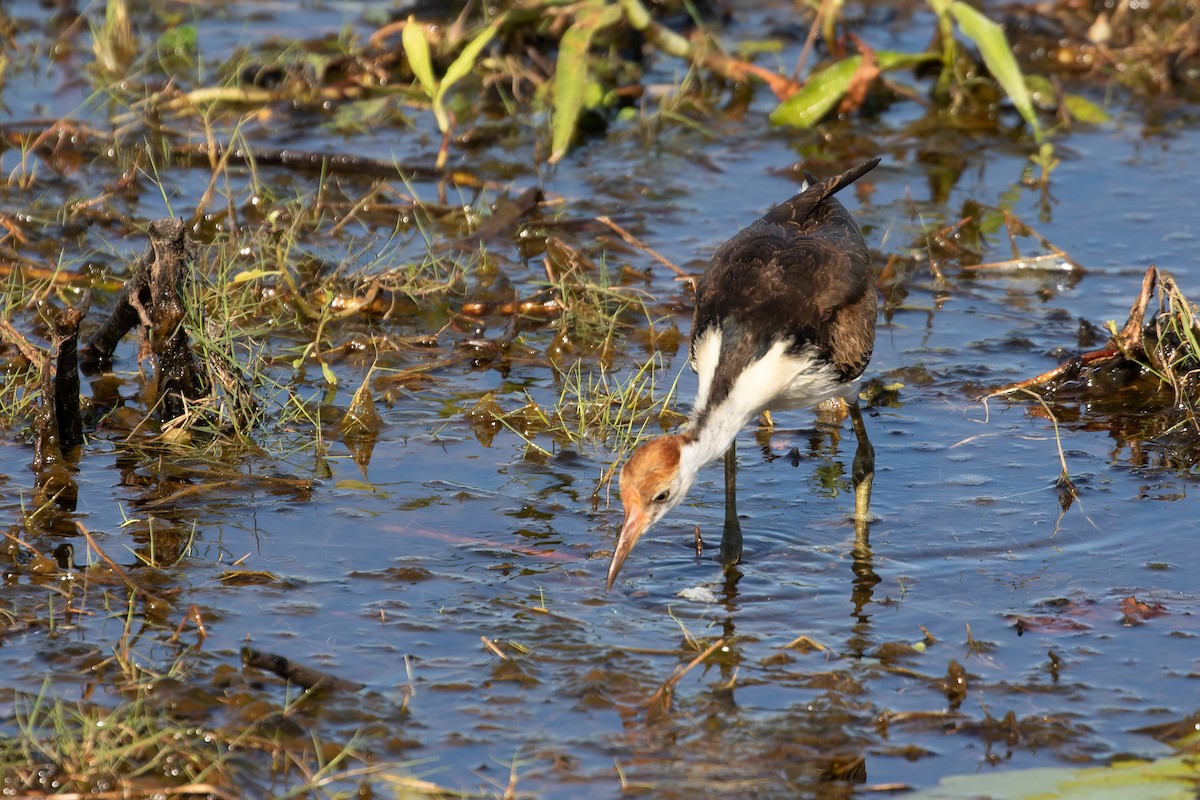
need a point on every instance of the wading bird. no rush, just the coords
(785, 318)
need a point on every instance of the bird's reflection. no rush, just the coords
(863, 567)
(862, 557)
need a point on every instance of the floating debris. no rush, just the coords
(1156, 353)
(698, 594)
(306, 677)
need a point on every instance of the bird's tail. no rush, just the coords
(815, 192)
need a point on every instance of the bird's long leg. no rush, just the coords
(863, 470)
(763, 431)
(731, 535)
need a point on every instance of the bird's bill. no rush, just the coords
(636, 523)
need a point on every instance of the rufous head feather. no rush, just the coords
(651, 485)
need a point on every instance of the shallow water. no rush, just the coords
(391, 576)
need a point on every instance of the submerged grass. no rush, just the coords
(161, 730)
(84, 747)
(617, 412)
(595, 411)
(137, 749)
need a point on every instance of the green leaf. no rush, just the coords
(361, 115)
(1042, 92)
(178, 40)
(749, 49)
(889, 60)
(998, 57)
(460, 68)
(826, 87)
(465, 62)
(351, 485)
(416, 48)
(820, 94)
(246, 276)
(1170, 778)
(1085, 110)
(330, 378)
(991, 222)
(571, 77)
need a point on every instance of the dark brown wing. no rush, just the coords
(802, 274)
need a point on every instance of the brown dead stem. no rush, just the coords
(493, 647)
(62, 138)
(633, 241)
(1126, 342)
(306, 677)
(864, 77)
(810, 40)
(659, 704)
(193, 615)
(28, 271)
(1166, 348)
(134, 586)
(37, 554)
(29, 351)
(1016, 227)
(187, 790)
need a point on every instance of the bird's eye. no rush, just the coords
(662, 496)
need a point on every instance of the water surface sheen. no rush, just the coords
(390, 577)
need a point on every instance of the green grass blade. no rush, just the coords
(889, 60)
(571, 76)
(1084, 110)
(998, 56)
(416, 48)
(461, 67)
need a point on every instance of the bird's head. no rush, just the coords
(653, 481)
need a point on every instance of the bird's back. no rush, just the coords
(801, 275)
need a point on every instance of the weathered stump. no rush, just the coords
(152, 298)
